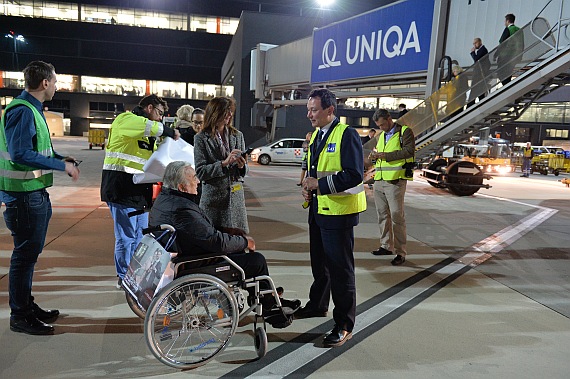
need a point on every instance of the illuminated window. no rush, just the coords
(121, 16)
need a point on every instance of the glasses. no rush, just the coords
(160, 112)
(198, 122)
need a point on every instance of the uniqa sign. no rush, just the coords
(389, 40)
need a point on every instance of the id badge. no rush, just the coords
(236, 187)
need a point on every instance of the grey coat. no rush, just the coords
(226, 208)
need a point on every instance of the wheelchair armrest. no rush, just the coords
(190, 258)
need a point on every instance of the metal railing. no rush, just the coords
(519, 53)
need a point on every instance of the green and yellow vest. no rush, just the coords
(18, 177)
(391, 170)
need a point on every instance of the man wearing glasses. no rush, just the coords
(130, 144)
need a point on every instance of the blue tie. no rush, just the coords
(320, 136)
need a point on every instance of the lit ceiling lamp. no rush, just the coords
(324, 4)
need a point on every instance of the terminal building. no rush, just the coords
(110, 53)
(269, 55)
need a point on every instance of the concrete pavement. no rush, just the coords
(484, 291)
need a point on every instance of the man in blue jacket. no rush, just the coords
(27, 161)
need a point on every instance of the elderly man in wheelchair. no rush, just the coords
(192, 319)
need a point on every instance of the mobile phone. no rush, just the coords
(247, 152)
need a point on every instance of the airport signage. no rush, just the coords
(390, 40)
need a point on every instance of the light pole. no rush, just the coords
(15, 38)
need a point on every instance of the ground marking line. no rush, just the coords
(477, 254)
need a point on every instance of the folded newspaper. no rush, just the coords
(168, 151)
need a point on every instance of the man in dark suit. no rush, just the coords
(335, 192)
(479, 54)
(509, 52)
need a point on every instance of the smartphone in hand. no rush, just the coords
(247, 152)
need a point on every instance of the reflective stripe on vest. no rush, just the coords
(350, 201)
(391, 170)
(18, 177)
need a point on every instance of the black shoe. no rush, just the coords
(398, 260)
(30, 325)
(120, 284)
(337, 337)
(382, 251)
(290, 306)
(277, 318)
(47, 316)
(305, 312)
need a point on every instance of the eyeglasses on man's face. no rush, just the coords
(198, 122)
(159, 111)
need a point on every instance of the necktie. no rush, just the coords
(320, 136)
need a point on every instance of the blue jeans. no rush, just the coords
(27, 217)
(128, 234)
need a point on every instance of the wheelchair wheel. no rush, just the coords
(140, 312)
(190, 321)
(260, 342)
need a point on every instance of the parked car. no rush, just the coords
(286, 150)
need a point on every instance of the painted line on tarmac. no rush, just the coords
(493, 244)
(304, 354)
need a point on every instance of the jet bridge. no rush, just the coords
(538, 56)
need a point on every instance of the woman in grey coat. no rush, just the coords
(221, 167)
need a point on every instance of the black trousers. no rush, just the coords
(253, 264)
(332, 264)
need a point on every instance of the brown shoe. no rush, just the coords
(337, 337)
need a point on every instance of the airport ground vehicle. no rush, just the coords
(96, 138)
(546, 159)
(552, 160)
(286, 150)
(192, 319)
(492, 157)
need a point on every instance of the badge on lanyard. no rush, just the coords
(236, 187)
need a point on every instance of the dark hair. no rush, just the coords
(402, 105)
(510, 18)
(154, 100)
(36, 71)
(216, 111)
(327, 98)
(197, 111)
(381, 113)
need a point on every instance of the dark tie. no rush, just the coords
(320, 136)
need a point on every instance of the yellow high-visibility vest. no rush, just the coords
(350, 201)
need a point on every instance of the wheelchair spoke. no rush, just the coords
(191, 323)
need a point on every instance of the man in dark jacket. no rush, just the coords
(196, 235)
(509, 51)
(479, 54)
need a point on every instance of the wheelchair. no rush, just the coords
(192, 319)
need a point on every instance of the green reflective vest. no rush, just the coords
(18, 177)
(350, 201)
(391, 170)
(127, 134)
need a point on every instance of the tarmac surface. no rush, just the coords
(484, 292)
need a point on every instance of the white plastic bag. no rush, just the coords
(168, 151)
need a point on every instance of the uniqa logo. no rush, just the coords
(328, 60)
(373, 47)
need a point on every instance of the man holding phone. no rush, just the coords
(27, 161)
